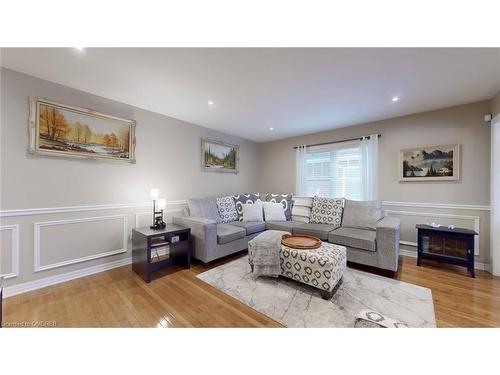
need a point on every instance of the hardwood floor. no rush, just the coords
(176, 298)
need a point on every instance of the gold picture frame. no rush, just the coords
(60, 130)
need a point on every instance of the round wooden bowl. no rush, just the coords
(301, 242)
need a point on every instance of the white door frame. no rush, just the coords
(495, 196)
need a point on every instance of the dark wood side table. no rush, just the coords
(455, 246)
(153, 250)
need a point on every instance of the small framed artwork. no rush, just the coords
(429, 163)
(218, 156)
(60, 130)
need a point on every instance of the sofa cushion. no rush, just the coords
(317, 230)
(285, 200)
(251, 227)
(353, 237)
(241, 199)
(228, 233)
(327, 211)
(227, 209)
(301, 208)
(204, 207)
(287, 226)
(362, 214)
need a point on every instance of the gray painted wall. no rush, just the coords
(495, 105)
(463, 124)
(168, 156)
(167, 152)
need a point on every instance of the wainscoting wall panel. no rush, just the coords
(42, 246)
(9, 251)
(91, 238)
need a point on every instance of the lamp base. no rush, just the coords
(158, 226)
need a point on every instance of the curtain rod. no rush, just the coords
(341, 141)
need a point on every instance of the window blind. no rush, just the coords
(334, 171)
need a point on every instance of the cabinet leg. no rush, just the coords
(419, 261)
(206, 264)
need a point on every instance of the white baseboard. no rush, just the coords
(56, 279)
(477, 265)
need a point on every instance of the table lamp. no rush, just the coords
(158, 222)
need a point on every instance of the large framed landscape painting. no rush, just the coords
(429, 163)
(218, 156)
(60, 130)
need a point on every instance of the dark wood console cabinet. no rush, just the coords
(455, 246)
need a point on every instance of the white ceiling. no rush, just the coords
(294, 90)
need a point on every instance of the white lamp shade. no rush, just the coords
(162, 203)
(155, 193)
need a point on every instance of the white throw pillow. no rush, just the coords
(274, 212)
(252, 211)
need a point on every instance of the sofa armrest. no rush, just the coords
(203, 235)
(388, 234)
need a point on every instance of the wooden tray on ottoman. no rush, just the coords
(301, 242)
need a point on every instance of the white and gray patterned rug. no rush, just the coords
(297, 305)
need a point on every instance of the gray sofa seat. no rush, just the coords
(352, 237)
(317, 230)
(286, 226)
(227, 233)
(251, 227)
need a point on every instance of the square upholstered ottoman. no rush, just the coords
(321, 268)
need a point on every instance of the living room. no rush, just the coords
(206, 186)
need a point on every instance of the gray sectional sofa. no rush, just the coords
(370, 238)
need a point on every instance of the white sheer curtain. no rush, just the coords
(369, 167)
(300, 174)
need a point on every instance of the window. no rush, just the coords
(339, 170)
(333, 172)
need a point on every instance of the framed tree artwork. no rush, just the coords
(60, 130)
(429, 163)
(218, 156)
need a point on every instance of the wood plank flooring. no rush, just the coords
(176, 298)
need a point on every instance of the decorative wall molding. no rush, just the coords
(52, 280)
(450, 206)
(477, 265)
(117, 206)
(37, 226)
(14, 250)
(150, 215)
(100, 207)
(475, 220)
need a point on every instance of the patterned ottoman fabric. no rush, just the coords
(321, 268)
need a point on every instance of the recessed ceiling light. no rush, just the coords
(210, 103)
(79, 48)
(395, 99)
(271, 128)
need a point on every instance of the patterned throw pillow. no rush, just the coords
(327, 211)
(285, 200)
(241, 199)
(227, 209)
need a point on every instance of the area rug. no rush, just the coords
(296, 305)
